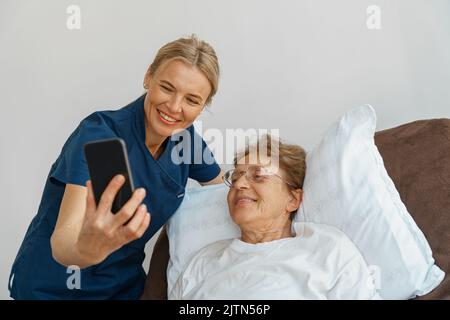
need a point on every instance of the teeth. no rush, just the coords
(166, 117)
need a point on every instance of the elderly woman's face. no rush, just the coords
(176, 95)
(265, 200)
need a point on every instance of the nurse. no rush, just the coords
(77, 249)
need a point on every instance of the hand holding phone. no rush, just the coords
(105, 160)
(103, 232)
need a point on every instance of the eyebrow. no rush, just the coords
(189, 94)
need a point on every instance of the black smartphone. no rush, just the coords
(106, 159)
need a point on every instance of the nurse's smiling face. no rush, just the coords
(176, 95)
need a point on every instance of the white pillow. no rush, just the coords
(201, 219)
(347, 186)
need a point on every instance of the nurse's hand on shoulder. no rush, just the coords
(104, 232)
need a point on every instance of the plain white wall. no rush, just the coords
(292, 65)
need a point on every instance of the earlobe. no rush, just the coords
(147, 80)
(296, 200)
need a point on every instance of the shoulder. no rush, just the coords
(204, 260)
(324, 231)
(107, 123)
(108, 119)
(93, 127)
(324, 236)
(209, 253)
(214, 249)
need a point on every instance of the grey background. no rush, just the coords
(292, 65)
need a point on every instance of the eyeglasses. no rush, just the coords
(255, 174)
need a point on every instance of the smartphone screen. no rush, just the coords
(105, 160)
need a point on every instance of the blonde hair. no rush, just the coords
(291, 158)
(195, 52)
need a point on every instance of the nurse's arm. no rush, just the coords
(216, 180)
(68, 226)
(85, 234)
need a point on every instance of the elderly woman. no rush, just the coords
(275, 258)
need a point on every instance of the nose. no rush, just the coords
(175, 105)
(241, 183)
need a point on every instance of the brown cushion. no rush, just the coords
(417, 158)
(156, 283)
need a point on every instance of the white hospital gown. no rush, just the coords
(319, 263)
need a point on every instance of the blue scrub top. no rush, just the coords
(36, 275)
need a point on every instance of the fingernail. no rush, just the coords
(119, 178)
(141, 191)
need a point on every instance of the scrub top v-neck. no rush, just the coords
(36, 275)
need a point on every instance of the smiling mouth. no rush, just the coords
(244, 201)
(166, 118)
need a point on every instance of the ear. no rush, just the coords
(294, 200)
(147, 79)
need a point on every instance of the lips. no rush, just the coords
(166, 118)
(243, 200)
